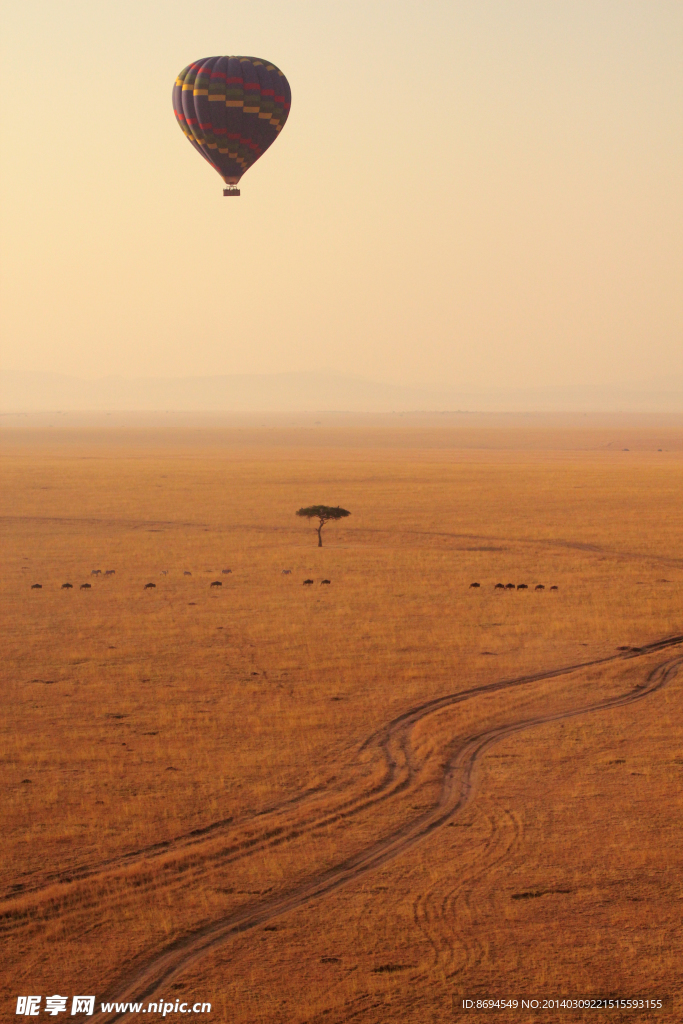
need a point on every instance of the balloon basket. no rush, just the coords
(231, 191)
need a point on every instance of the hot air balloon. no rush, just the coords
(231, 109)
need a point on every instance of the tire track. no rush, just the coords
(397, 775)
(391, 743)
(125, 524)
(137, 524)
(450, 955)
(458, 783)
(544, 542)
(147, 854)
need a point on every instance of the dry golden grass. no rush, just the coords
(192, 752)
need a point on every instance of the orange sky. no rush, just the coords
(468, 193)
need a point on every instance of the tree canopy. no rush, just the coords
(324, 513)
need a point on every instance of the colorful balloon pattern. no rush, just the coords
(231, 109)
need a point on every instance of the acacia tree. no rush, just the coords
(324, 513)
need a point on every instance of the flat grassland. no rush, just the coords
(362, 801)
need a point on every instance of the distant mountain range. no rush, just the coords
(310, 392)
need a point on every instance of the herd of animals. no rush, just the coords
(164, 572)
(515, 586)
(285, 572)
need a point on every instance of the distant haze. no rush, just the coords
(311, 392)
(474, 202)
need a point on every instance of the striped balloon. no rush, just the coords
(231, 109)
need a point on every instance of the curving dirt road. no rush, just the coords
(458, 782)
(479, 538)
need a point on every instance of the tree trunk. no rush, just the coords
(320, 536)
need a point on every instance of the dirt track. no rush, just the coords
(458, 783)
(458, 538)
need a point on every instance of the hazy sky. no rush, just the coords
(467, 192)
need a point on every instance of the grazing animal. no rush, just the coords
(149, 585)
(324, 581)
(307, 583)
(216, 583)
(36, 586)
(474, 585)
(67, 586)
(85, 586)
(186, 573)
(539, 586)
(554, 588)
(109, 572)
(226, 571)
(164, 572)
(522, 586)
(96, 572)
(286, 572)
(499, 586)
(509, 586)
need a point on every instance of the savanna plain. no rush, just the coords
(360, 801)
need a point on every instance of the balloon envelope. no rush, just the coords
(231, 109)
